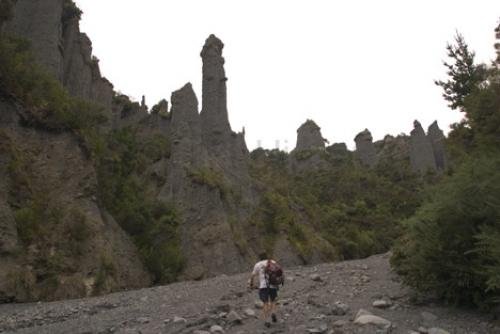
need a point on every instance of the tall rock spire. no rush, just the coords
(421, 153)
(437, 139)
(214, 106)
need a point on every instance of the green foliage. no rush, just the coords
(464, 75)
(453, 237)
(48, 103)
(152, 224)
(356, 210)
(34, 220)
(210, 178)
(105, 272)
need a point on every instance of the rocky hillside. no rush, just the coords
(361, 296)
(99, 193)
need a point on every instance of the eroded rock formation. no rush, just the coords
(309, 137)
(365, 149)
(421, 154)
(437, 139)
(58, 45)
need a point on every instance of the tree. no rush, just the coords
(464, 75)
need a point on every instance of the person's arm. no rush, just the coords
(255, 272)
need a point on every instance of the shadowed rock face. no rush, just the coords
(365, 150)
(421, 153)
(40, 23)
(437, 139)
(309, 137)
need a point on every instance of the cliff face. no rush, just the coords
(52, 27)
(55, 240)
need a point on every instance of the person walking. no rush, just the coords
(270, 276)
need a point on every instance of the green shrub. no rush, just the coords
(210, 178)
(451, 244)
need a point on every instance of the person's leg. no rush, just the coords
(266, 308)
(272, 307)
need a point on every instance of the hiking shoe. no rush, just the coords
(267, 324)
(273, 317)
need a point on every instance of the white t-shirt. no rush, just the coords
(259, 269)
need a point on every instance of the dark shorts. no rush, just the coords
(268, 294)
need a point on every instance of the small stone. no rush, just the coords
(259, 304)
(143, 320)
(428, 318)
(370, 319)
(436, 330)
(340, 308)
(340, 323)
(216, 329)
(234, 318)
(362, 312)
(198, 331)
(249, 312)
(423, 330)
(179, 320)
(316, 278)
(381, 303)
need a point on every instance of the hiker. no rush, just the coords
(270, 276)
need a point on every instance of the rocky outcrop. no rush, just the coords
(81, 74)
(70, 247)
(58, 45)
(365, 149)
(437, 139)
(40, 23)
(200, 189)
(309, 137)
(421, 153)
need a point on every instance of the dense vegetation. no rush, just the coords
(123, 191)
(356, 209)
(451, 246)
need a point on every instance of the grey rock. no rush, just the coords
(249, 312)
(309, 137)
(436, 330)
(234, 318)
(40, 23)
(340, 308)
(214, 105)
(143, 320)
(370, 319)
(421, 153)
(177, 320)
(365, 150)
(216, 329)
(382, 303)
(437, 139)
(428, 318)
(316, 278)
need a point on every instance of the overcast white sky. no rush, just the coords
(348, 65)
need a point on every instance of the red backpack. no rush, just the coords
(274, 274)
